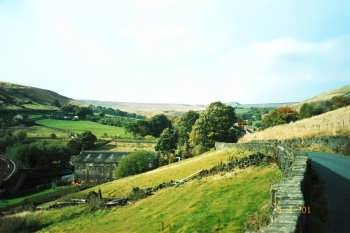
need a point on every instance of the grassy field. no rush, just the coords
(80, 126)
(36, 197)
(335, 122)
(221, 203)
(182, 169)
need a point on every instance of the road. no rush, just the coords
(334, 171)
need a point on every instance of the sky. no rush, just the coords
(184, 51)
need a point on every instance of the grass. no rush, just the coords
(36, 197)
(331, 123)
(182, 169)
(80, 126)
(221, 203)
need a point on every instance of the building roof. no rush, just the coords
(98, 157)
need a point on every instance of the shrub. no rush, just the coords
(137, 162)
(279, 116)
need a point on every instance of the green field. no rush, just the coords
(80, 126)
(221, 203)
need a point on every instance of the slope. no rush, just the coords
(335, 122)
(221, 203)
(19, 97)
(345, 90)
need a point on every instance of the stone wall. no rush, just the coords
(288, 200)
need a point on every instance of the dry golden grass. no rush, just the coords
(332, 123)
(325, 96)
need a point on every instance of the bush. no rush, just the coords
(279, 116)
(137, 162)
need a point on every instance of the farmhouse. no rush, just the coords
(96, 166)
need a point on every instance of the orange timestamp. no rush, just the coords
(292, 209)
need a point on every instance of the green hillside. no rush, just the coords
(19, 97)
(220, 203)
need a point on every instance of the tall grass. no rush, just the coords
(332, 123)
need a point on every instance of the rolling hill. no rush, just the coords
(19, 97)
(147, 109)
(345, 90)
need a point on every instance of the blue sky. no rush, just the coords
(177, 51)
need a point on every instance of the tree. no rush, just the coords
(56, 103)
(39, 155)
(279, 116)
(84, 141)
(184, 127)
(137, 162)
(167, 144)
(158, 123)
(83, 112)
(306, 110)
(140, 127)
(216, 123)
(88, 140)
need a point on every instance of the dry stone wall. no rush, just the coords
(288, 196)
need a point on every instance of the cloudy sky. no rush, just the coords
(250, 51)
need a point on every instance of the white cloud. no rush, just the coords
(168, 51)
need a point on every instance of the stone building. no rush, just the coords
(96, 166)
